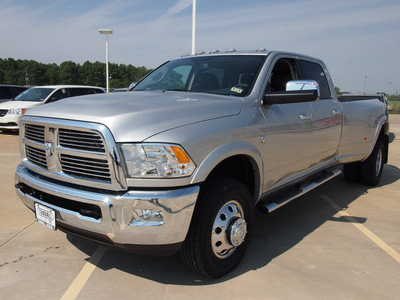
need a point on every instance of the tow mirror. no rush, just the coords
(296, 91)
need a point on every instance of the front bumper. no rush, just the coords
(114, 218)
(10, 122)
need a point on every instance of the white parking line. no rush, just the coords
(369, 234)
(87, 270)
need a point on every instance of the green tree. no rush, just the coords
(93, 74)
(37, 73)
(69, 73)
(52, 73)
(34, 73)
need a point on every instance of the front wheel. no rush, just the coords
(221, 228)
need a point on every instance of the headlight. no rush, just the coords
(17, 111)
(156, 161)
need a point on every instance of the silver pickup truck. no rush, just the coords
(181, 161)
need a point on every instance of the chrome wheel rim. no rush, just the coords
(229, 230)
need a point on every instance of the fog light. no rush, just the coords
(147, 217)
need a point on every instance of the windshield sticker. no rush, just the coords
(237, 90)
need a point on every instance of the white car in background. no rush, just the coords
(12, 111)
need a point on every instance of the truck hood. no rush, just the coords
(136, 116)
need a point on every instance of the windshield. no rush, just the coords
(34, 94)
(232, 75)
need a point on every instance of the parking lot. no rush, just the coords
(341, 241)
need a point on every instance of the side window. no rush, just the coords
(313, 71)
(5, 93)
(283, 71)
(60, 94)
(78, 92)
(18, 90)
(97, 91)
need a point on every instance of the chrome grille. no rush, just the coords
(86, 141)
(72, 151)
(34, 133)
(85, 167)
(36, 156)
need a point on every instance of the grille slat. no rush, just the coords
(87, 141)
(80, 173)
(37, 156)
(34, 133)
(84, 164)
(82, 167)
(3, 112)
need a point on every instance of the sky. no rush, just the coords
(359, 40)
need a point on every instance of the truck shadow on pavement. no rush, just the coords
(9, 132)
(274, 234)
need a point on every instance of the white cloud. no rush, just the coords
(178, 7)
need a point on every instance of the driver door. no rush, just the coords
(289, 132)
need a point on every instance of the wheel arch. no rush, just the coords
(382, 133)
(241, 161)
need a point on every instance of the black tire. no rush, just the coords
(352, 172)
(221, 228)
(372, 168)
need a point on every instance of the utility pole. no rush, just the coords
(26, 76)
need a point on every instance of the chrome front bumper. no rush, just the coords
(131, 218)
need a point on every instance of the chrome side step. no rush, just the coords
(271, 206)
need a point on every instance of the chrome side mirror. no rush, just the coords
(296, 91)
(303, 85)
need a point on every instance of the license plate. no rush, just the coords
(45, 216)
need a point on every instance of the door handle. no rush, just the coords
(305, 117)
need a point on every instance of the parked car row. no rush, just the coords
(12, 111)
(9, 91)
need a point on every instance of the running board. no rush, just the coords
(271, 206)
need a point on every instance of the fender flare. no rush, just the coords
(226, 151)
(383, 127)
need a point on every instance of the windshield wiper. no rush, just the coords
(175, 90)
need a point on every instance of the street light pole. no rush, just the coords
(365, 84)
(194, 28)
(106, 32)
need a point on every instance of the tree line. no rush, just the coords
(30, 72)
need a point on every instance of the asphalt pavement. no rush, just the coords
(340, 241)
